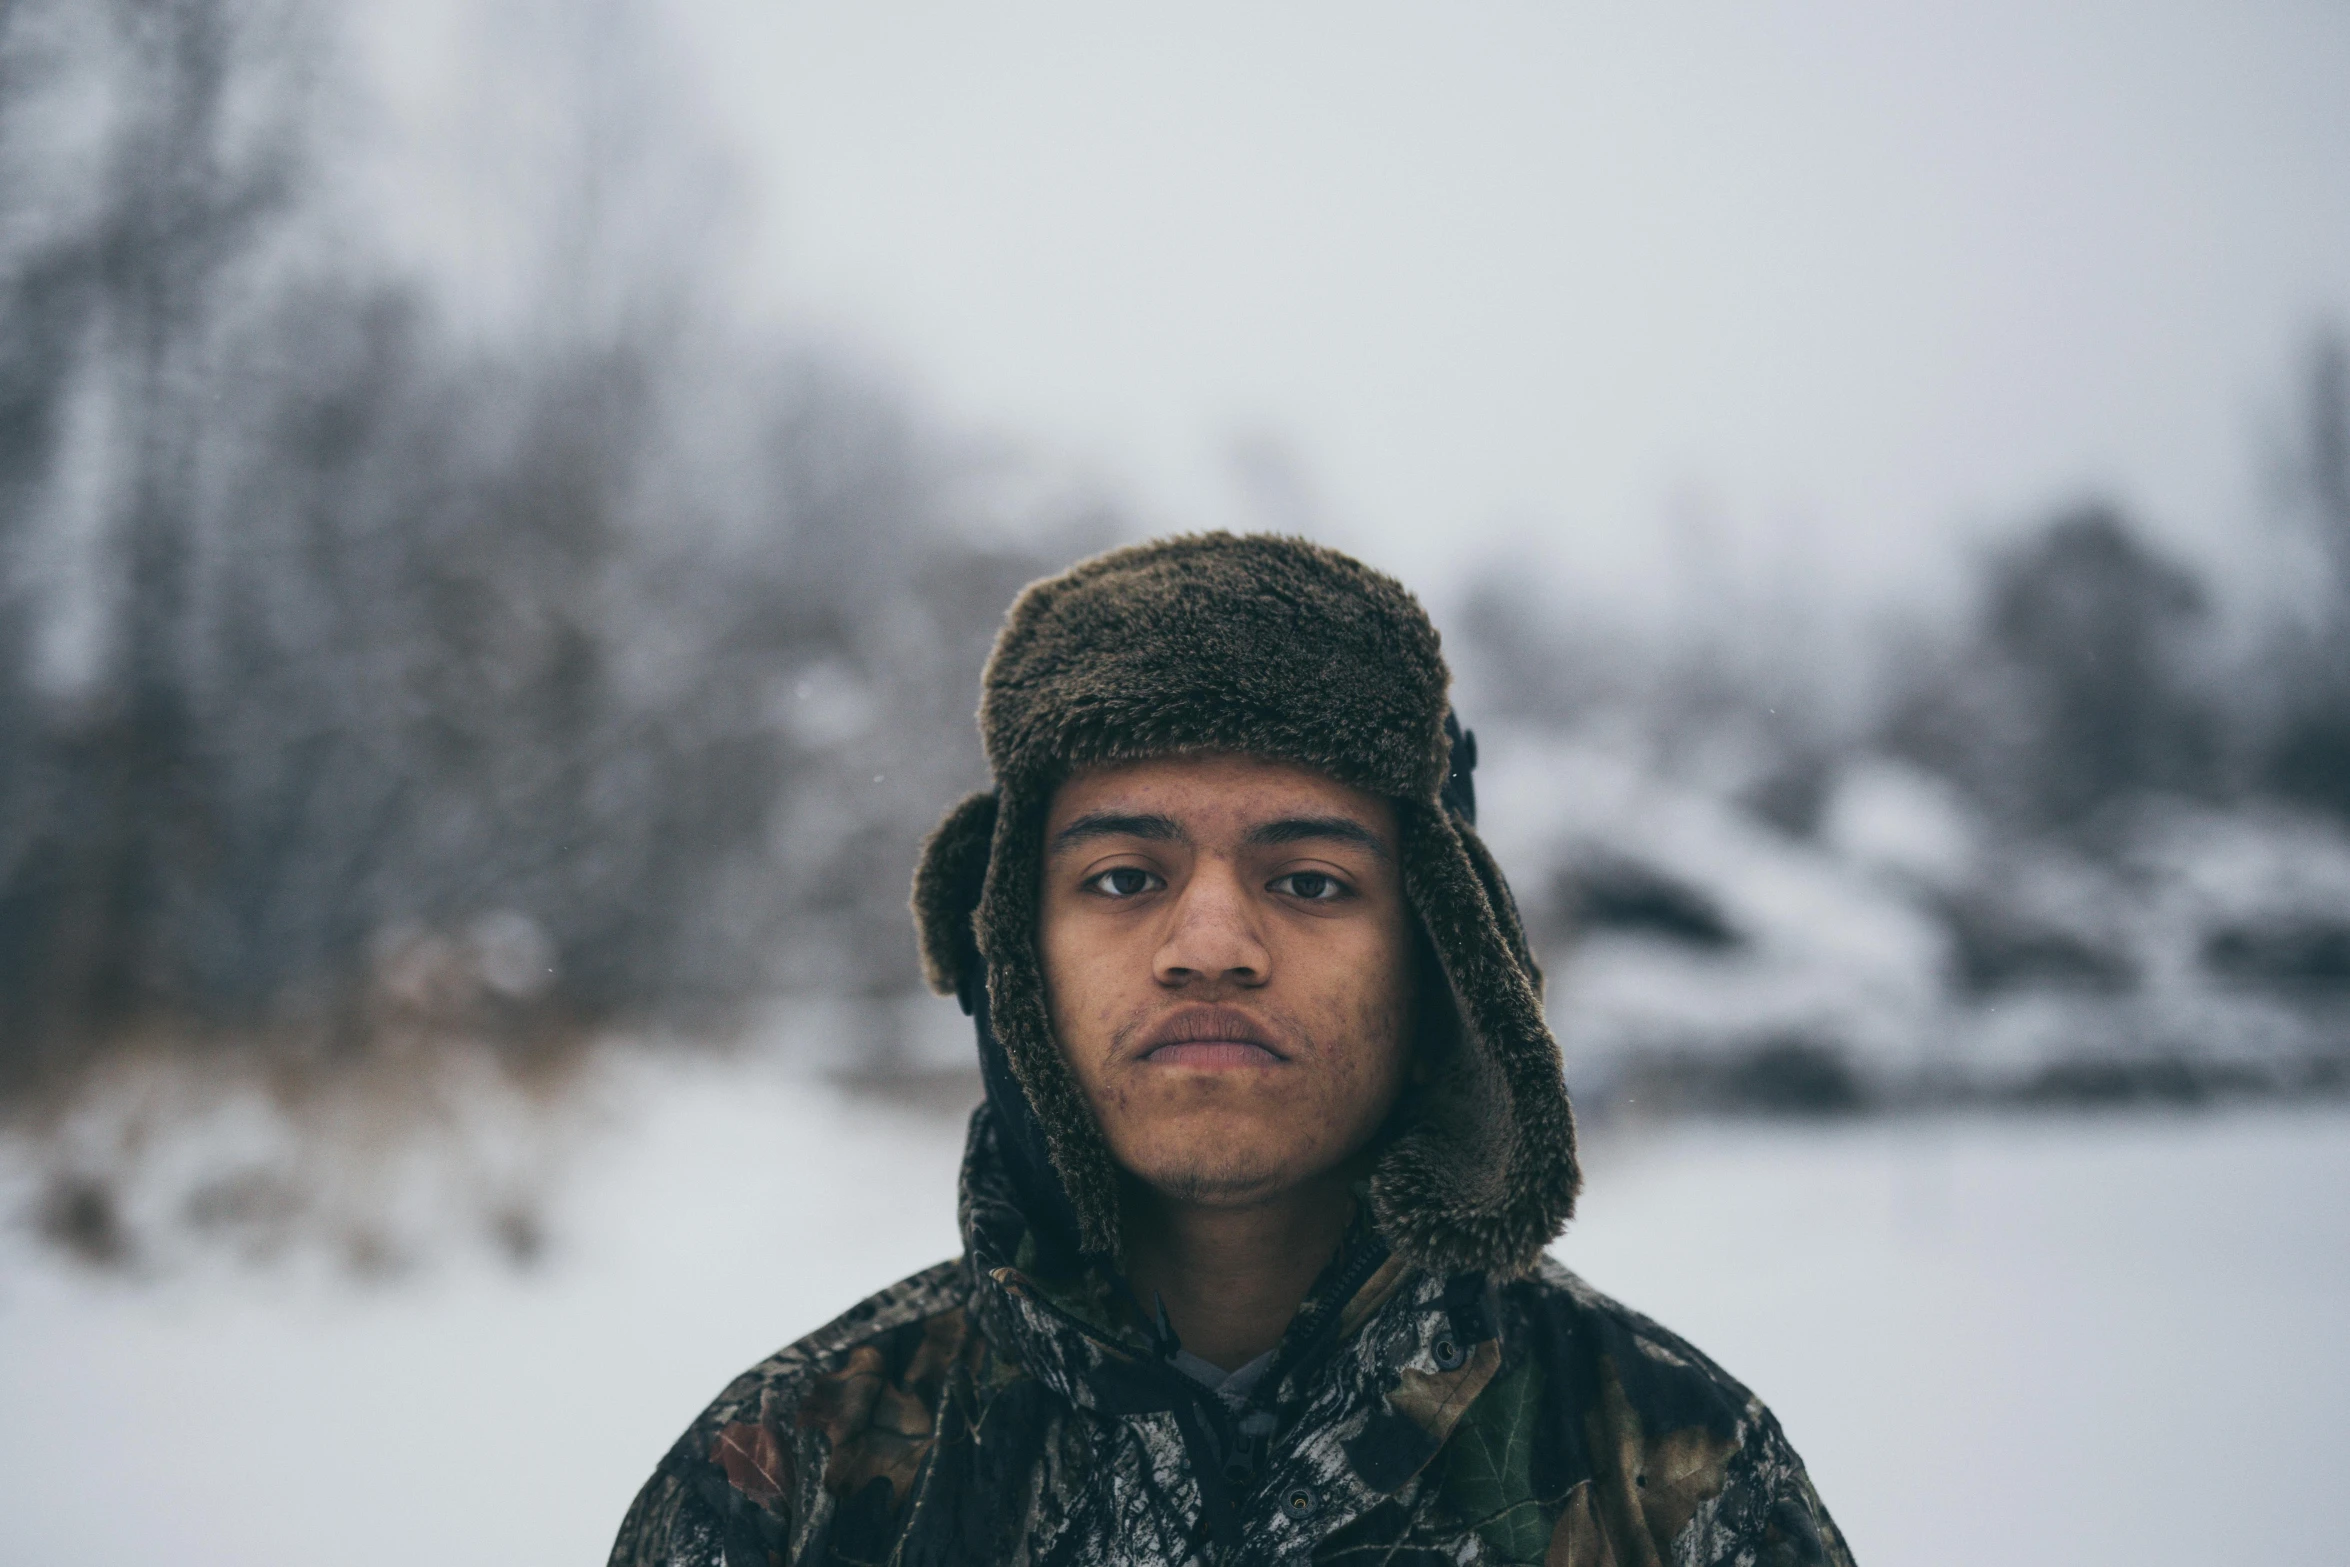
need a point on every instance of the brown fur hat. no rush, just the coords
(1278, 648)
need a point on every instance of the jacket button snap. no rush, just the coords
(1300, 1502)
(1448, 1353)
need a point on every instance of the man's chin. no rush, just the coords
(1218, 1174)
(1201, 1187)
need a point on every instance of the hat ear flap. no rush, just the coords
(947, 884)
(1484, 1176)
(1505, 905)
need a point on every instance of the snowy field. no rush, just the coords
(1996, 1341)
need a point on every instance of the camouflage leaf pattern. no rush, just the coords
(979, 1412)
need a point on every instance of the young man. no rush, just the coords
(1275, 1136)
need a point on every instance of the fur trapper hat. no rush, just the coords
(1277, 648)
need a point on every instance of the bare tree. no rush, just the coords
(507, 687)
(127, 290)
(2085, 681)
(2305, 753)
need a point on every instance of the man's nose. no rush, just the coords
(1212, 933)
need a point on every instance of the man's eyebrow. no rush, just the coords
(1305, 829)
(1117, 824)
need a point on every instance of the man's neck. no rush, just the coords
(1232, 1278)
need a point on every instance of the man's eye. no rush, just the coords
(1124, 881)
(1312, 886)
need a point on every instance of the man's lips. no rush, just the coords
(1211, 1038)
(1213, 1054)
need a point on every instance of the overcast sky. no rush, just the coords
(1813, 290)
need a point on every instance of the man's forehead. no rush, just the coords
(1216, 791)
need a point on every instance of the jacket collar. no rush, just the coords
(1372, 1326)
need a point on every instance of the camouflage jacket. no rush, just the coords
(978, 1412)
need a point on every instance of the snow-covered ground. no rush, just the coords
(2014, 1341)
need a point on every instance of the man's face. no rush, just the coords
(1228, 957)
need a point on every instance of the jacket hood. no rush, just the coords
(1277, 648)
